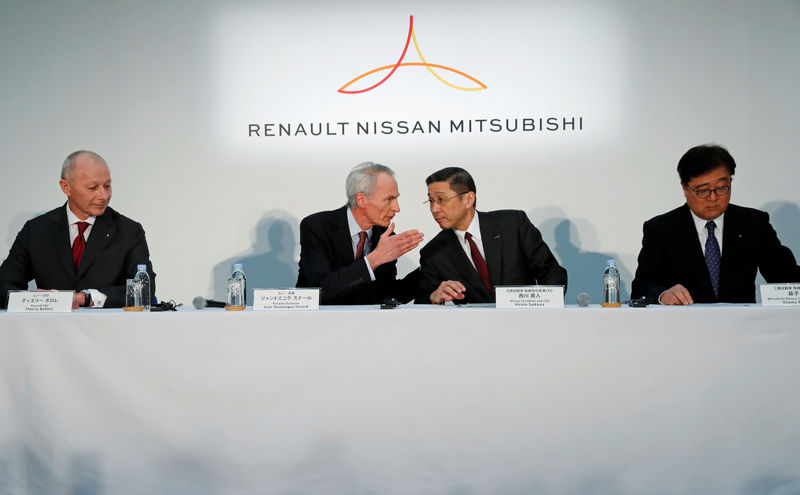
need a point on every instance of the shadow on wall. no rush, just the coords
(783, 216)
(14, 226)
(37, 475)
(270, 263)
(584, 267)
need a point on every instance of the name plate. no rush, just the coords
(55, 301)
(285, 299)
(529, 296)
(780, 295)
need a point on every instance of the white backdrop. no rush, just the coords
(166, 92)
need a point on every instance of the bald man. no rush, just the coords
(83, 245)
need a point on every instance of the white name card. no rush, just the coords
(780, 295)
(529, 296)
(285, 299)
(55, 301)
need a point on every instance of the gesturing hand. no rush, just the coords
(390, 247)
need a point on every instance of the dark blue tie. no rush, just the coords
(712, 256)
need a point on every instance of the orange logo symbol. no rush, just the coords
(392, 68)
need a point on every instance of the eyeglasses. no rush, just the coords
(705, 193)
(441, 201)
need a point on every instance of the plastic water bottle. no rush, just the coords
(141, 274)
(237, 289)
(611, 283)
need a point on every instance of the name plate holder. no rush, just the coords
(780, 294)
(285, 299)
(51, 301)
(529, 296)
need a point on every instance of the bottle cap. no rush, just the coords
(611, 262)
(237, 266)
(141, 267)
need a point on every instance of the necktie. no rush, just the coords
(362, 238)
(79, 245)
(480, 263)
(713, 256)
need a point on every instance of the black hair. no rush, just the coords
(702, 159)
(459, 179)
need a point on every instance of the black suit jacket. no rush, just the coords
(327, 262)
(671, 254)
(42, 252)
(515, 255)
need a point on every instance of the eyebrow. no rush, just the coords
(708, 183)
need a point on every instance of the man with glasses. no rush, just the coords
(477, 251)
(708, 250)
(351, 253)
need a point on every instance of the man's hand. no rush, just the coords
(390, 247)
(676, 295)
(79, 299)
(447, 291)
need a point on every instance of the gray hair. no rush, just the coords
(362, 179)
(68, 167)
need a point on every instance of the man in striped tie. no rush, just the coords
(709, 250)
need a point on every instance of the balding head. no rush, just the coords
(84, 156)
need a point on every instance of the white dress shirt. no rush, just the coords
(702, 231)
(475, 230)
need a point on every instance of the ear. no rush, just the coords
(65, 186)
(361, 200)
(470, 199)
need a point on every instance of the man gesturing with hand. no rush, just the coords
(351, 253)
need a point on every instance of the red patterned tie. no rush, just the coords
(362, 238)
(480, 263)
(79, 245)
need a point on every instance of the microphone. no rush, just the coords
(201, 302)
(583, 299)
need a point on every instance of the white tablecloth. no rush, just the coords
(413, 400)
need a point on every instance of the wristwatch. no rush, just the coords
(88, 298)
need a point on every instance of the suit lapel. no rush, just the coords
(342, 242)
(60, 241)
(730, 246)
(492, 239)
(463, 265)
(102, 232)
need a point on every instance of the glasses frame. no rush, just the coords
(706, 193)
(441, 201)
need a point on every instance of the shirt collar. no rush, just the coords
(354, 227)
(474, 229)
(72, 219)
(700, 224)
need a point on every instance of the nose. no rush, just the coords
(395, 206)
(103, 193)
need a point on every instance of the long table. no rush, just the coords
(439, 400)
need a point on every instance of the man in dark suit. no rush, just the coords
(476, 251)
(708, 250)
(83, 246)
(351, 253)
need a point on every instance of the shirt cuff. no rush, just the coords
(369, 269)
(98, 298)
(659, 297)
